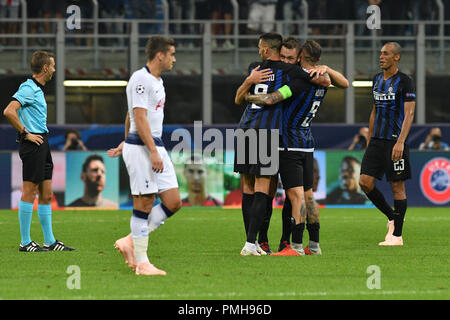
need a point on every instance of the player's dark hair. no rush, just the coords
(292, 43)
(312, 51)
(39, 59)
(273, 40)
(158, 44)
(68, 131)
(91, 158)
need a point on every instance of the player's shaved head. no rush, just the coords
(273, 40)
(395, 47)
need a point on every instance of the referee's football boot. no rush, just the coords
(31, 247)
(57, 246)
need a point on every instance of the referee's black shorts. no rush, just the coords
(296, 169)
(255, 153)
(37, 163)
(377, 161)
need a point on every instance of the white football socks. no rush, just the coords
(139, 234)
(156, 218)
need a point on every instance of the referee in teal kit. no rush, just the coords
(27, 112)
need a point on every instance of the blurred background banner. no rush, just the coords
(5, 177)
(79, 183)
(103, 137)
(58, 180)
(212, 182)
(200, 179)
(342, 178)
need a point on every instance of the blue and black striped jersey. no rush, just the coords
(270, 117)
(298, 113)
(389, 98)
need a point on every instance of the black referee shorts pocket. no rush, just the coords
(27, 148)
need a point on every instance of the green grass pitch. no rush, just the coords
(199, 249)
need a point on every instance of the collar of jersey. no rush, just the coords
(38, 84)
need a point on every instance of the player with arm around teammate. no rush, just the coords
(297, 145)
(260, 118)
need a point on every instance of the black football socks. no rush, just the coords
(379, 201)
(257, 214)
(262, 236)
(399, 215)
(247, 201)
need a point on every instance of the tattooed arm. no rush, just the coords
(283, 93)
(256, 76)
(265, 99)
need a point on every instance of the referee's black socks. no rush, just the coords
(379, 201)
(399, 215)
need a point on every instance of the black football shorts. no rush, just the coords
(255, 153)
(296, 169)
(37, 163)
(377, 161)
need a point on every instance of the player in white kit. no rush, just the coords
(148, 163)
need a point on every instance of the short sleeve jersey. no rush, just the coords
(147, 92)
(270, 117)
(389, 97)
(298, 113)
(33, 111)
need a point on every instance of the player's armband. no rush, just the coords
(285, 91)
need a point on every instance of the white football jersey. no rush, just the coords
(146, 91)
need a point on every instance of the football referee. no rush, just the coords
(27, 112)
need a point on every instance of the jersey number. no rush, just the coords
(260, 88)
(399, 165)
(312, 114)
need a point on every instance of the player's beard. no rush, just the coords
(93, 188)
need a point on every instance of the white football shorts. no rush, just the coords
(143, 180)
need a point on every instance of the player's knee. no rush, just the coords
(366, 185)
(398, 189)
(295, 196)
(174, 206)
(46, 197)
(29, 194)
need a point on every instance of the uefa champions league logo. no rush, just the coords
(439, 180)
(435, 182)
